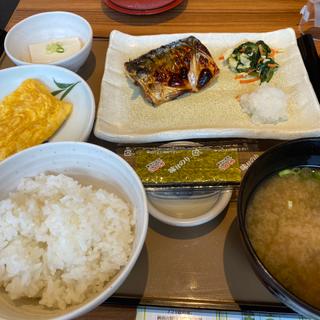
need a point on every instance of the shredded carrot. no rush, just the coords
(249, 80)
(238, 97)
(221, 58)
(272, 65)
(239, 76)
(273, 52)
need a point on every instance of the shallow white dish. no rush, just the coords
(90, 165)
(79, 124)
(47, 26)
(124, 116)
(188, 211)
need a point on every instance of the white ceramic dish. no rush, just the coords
(187, 207)
(79, 124)
(45, 27)
(89, 164)
(124, 116)
(188, 211)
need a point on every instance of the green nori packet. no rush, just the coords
(168, 166)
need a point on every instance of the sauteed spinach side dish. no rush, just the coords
(254, 58)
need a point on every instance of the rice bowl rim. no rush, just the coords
(123, 273)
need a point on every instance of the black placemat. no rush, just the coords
(311, 60)
(2, 36)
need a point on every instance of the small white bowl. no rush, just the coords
(187, 208)
(191, 210)
(90, 164)
(44, 27)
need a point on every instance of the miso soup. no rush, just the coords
(283, 223)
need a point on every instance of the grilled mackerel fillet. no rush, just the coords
(171, 70)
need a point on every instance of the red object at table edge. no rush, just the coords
(142, 4)
(111, 4)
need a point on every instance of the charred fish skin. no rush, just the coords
(172, 70)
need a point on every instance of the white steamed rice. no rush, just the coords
(60, 241)
(267, 105)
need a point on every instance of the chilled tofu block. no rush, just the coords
(54, 50)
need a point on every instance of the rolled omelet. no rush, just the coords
(29, 116)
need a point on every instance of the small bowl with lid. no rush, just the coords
(185, 205)
(60, 38)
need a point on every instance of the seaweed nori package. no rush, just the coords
(190, 164)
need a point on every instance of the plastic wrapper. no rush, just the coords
(196, 167)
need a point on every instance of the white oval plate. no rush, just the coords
(79, 124)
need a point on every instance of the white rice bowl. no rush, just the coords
(67, 245)
(61, 241)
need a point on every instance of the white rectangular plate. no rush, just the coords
(124, 116)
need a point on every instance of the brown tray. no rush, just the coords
(202, 267)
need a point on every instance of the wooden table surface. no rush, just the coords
(190, 16)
